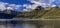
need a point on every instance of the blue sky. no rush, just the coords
(16, 1)
(25, 5)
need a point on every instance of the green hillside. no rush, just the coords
(52, 14)
(37, 13)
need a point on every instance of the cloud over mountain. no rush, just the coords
(43, 3)
(24, 7)
(4, 6)
(29, 7)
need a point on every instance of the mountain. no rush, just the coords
(32, 13)
(47, 13)
(8, 14)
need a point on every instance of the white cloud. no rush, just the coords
(18, 6)
(24, 5)
(6, 3)
(27, 7)
(34, 6)
(9, 8)
(12, 5)
(53, 6)
(25, 10)
(42, 2)
(4, 6)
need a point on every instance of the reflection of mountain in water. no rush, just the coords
(8, 14)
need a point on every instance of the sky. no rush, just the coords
(26, 5)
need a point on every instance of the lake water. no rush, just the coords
(16, 25)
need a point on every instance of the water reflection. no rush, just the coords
(2, 26)
(16, 25)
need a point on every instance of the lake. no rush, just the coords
(16, 25)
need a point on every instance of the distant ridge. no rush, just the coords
(8, 14)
